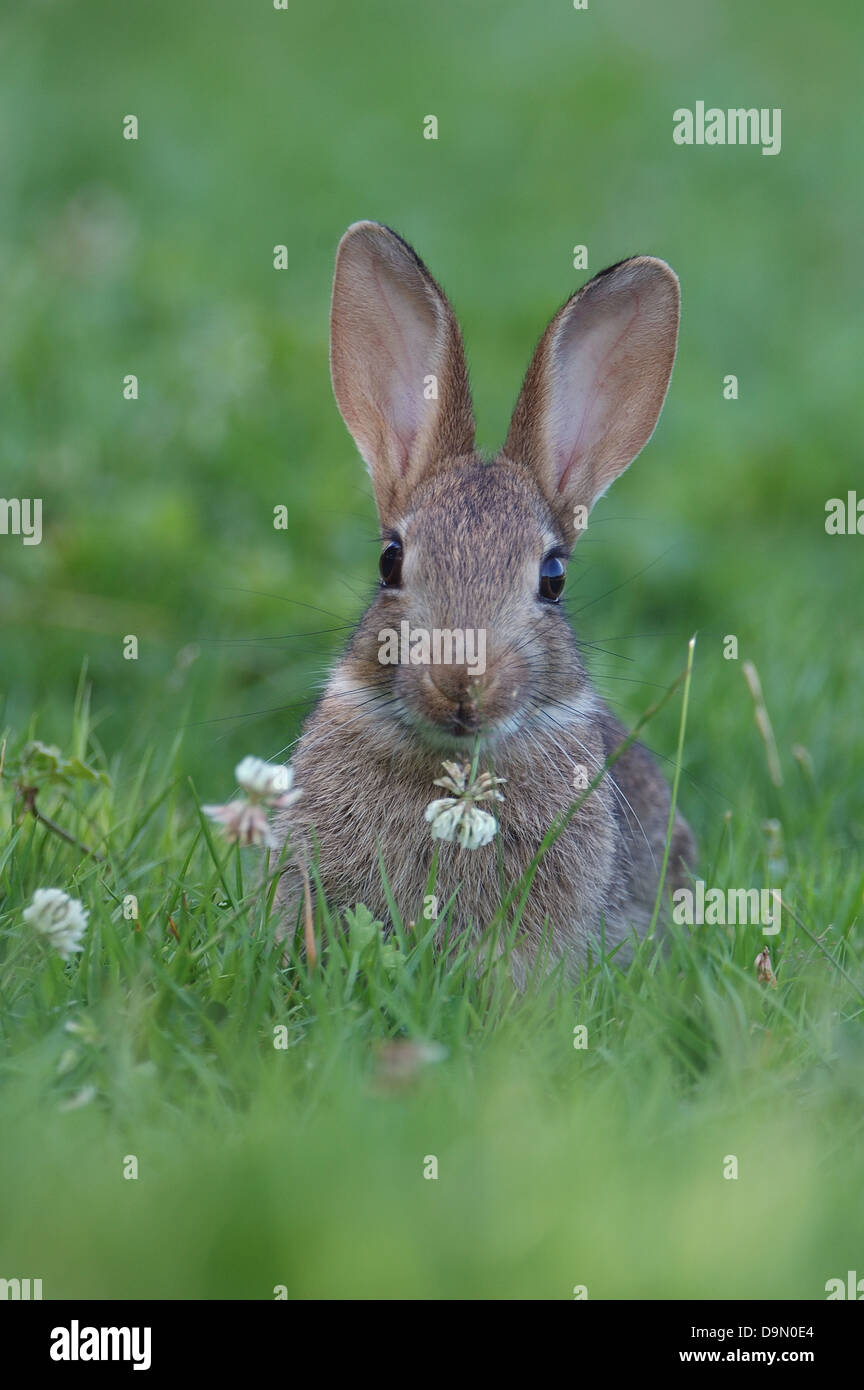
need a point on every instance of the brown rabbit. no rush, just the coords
(481, 547)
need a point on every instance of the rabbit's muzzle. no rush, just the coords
(463, 704)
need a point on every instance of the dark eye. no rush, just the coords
(552, 577)
(390, 565)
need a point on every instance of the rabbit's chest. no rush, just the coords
(375, 829)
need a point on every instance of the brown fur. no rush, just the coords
(474, 535)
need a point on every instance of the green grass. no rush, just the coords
(303, 1166)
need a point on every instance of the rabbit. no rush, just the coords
(483, 545)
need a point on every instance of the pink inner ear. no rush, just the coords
(585, 394)
(404, 336)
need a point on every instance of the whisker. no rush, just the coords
(273, 637)
(383, 704)
(598, 765)
(616, 587)
(261, 593)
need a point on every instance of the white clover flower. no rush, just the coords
(267, 787)
(59, 918)
(268, 783)
(457, 818)
(243, 823)
(764, 973)
(444, 817)
(462, 822)
(483, 788)
(456, 779)
(476, 828)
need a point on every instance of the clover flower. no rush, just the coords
(243, 823)
(764, 973)
(267, 783)
(267, 787)
(458, 818)
(59, 918)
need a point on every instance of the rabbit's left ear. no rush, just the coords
(397, 364)
(596, 385)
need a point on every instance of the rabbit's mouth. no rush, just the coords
(444, 740)
(445, 708)
(459, 731)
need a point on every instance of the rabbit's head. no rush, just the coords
(466, 635)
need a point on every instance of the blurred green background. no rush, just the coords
(261, 127)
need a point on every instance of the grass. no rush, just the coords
(279, 1144)
(302, 1165)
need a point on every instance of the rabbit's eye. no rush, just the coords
(552, 577)
(390, 565)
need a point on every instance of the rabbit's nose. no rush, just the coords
(466, 720)
(457, 685)
(463, 700)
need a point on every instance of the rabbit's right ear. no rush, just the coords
(397, 363)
